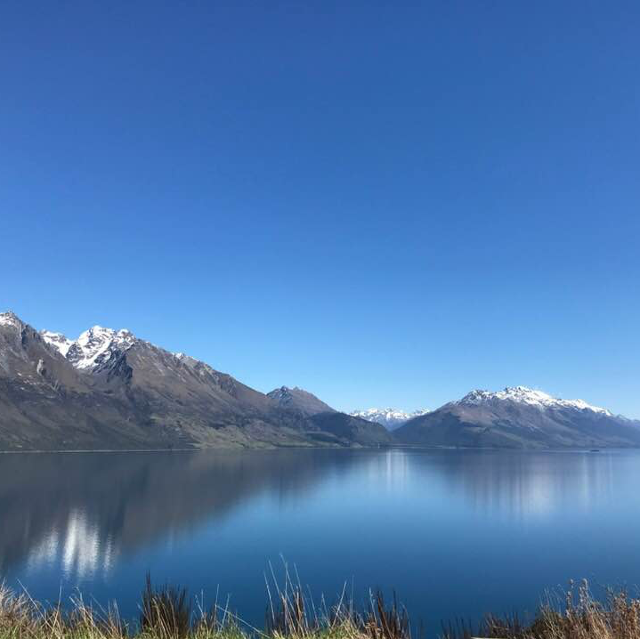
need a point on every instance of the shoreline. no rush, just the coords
(170, 612)
(404, 447)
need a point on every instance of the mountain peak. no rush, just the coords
(299, 399)
(59, 341)
(96, 346)
(527, 396)
(92, 348)
(286, 392)
(391, 418)
(100, 332)
(9, 318)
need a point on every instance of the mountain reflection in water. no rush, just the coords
(455, 532)
(85, 510)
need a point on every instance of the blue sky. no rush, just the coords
(384, 203)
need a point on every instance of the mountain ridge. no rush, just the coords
(390, 418)
(110, 389)
(299, 399)
(526, 395)
(519, 417)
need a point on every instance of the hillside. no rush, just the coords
(519, 417)
(111, 390)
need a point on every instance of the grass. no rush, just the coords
(169, 613)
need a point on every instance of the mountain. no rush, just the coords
(346, 428)
(519, 417)
(342, 427)
(390, 418)
(110, 389)
(299, 399)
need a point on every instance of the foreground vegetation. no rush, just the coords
(169, 613)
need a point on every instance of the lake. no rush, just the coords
(455, 533)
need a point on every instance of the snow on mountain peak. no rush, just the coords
(59, 341)
(96, 345)
(391, 418)
(93, 347)
(10, 319)
(528, 396)
(190, 361)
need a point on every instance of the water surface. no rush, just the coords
(456, 533)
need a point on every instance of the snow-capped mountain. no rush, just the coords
(529, 396)
(93, 349)
(109, 389)
(59, 341)
(519, 417)
(9, 319)
(390, 418)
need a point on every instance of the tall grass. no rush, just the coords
(581, 617)
(169, 613)
(165, 611)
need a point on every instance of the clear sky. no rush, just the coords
(384, 203)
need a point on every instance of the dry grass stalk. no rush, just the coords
(166, 613)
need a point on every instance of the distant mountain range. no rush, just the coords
(390, 418)
(112, 390)
(519, 417)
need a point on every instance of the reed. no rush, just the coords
(169, 613)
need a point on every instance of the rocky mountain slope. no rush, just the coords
(110, 389)
(299, 399)
(328, 420)
(390, 418)
(519, 417)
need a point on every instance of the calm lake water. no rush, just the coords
(455, 533)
